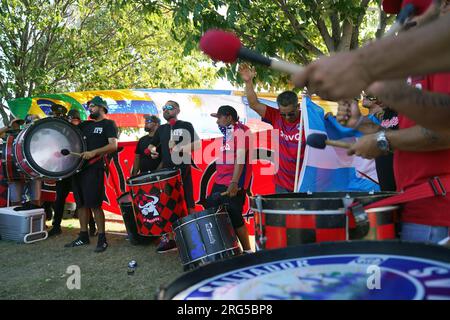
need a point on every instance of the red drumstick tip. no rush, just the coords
(220, 45)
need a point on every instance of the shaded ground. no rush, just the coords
(38, 270)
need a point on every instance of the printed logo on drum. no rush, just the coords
(149, 208)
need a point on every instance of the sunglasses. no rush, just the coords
(168, 107)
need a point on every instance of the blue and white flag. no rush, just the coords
(331, 169)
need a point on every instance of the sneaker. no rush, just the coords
(166, 245)
(77, 243)
(101, 246)
(54, 231)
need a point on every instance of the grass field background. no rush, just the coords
(38, 270)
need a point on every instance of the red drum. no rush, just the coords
(158, 200)
(3, 186)
(283, 220)
(10, 171)
(37, 149)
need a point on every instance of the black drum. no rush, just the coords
(37, 149)
(359, 270)
(205, 237)
(126, 208)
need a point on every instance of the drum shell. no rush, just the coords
(10, 171)
(24, 159)
(382, 224)
(158, 201)
(205, 237)
(126, 208)
(311, 217)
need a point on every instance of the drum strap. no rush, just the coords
(434, 187)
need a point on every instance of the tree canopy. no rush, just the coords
(73, 45)
(294, 30)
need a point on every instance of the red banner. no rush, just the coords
(203, 173)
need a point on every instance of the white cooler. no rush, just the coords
(22, 226)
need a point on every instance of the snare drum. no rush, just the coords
(158, 200)
(288, 219)
(205, 237)
(37, 149)
(359, 270)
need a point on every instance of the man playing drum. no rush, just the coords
(233, 168)
(177, 140)
(142, 162)
(88, 185)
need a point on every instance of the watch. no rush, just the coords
(382, 142)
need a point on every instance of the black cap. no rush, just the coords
(226, 111)
(59, 108)
(152, 118)
(74, 114)
(99, 101)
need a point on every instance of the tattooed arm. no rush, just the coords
(417, 139)
(428, 109)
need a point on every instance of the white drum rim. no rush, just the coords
(302, 212)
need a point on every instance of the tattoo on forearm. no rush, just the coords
(406, 95)
(431, 136)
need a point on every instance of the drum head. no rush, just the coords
(43, 143)
(153, 176)
(367, 270)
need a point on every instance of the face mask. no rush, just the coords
(226, 131)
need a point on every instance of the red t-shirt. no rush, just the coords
(414, 168)
(288, 145)
(227, 157)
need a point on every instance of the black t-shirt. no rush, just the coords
(98, 133)
(183, 133)
(385, 164)
(146, 163)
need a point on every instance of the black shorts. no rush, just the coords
(234, 204)
(89, 187)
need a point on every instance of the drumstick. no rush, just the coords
(126, 167)
(66, 152)
(226, 47)
(320, 141)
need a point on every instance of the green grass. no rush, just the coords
(38, 270)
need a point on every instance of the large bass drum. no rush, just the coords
(37, 149)
(359, 270)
